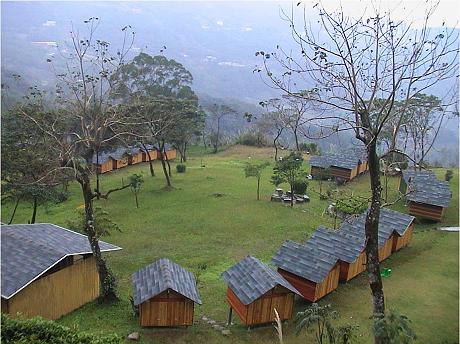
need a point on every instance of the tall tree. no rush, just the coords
(275, 120)
(216, 114)
(89, 121)
(255, 170)
(345, 69)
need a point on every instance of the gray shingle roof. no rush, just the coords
(160, 276)
(342, 244)
(249, 279)
(347, 159)
(389, 221)
(425, 187)
(304, 261)
(28, 251)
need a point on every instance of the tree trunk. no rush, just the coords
(276, 149)
(163, 165)
(137, 203)
(292, 196)
(258, 188)
(98, 190)
(34, 212)
(106, 294)
(14, 210)
(184, 156)
(296, 140)
(216, 143)
(167, 162)
(371, 230)
(152, 171)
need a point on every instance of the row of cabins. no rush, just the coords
(40, 262)
(316, 267)
(345, 165)
(426, 195)
(123, 156)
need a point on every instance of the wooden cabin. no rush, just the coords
(166, 294)
(135, 156)
(148, 150)
(169, 153)
(427, 197)
(313, 273)
(103, 163)
(47, 270)
(347, 247)
(254, 291)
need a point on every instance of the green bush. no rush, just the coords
(449, 175)
(40, 331)
(250, 138)
(180, 168)
(300, 186)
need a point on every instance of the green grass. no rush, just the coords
(196, 229)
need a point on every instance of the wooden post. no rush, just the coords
(229, 321)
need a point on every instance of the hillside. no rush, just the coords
(207, 234)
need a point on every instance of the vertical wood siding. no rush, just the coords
(57, 294)
(341, 173)
(261, 311)
(166, 309)
(426, 210)
(351, 270)
(385, 250)
(330, 283)
(402, 241)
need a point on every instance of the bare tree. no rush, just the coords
(353, 62)
(217, 113)
(275, 121)
(87, 121)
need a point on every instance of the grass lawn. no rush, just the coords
(208, 234)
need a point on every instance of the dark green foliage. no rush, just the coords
(300, 186)
(180, 168)
(394, 328)
(320, 320)
(103, 224)
(133, 306)
(252, 138)
(350, 204)
(288, 170)
(136, 181)
(109, 286)
(40, 331)
(311, 148)
(449, 175)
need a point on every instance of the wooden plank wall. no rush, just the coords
(402, 241)
(240, 308)
(330, 283)
(306, 288)
(59, 293)
(340, 172)
(136, 158)
(426, 211)
(122, 162)
(261, 311)
(386, 249)
(349, 271)
(166, 309)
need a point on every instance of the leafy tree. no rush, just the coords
(136, 181)
(320, 320)
(355, 62)
(289, 170)
(26, 160)
(255, 170)
(394, 328)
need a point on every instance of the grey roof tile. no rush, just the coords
(249, 279)
(305, 261)
(30, 250)
(347, 159)
(160, 276)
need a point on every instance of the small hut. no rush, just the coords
(134, 155)
(254, 291)
(427, 197)
(148, 150)
(312, 272)
(401, 227)
(102, 163)
(47, 270)
(348, 248)
(166, 294)
(168, 153)
(119, 158)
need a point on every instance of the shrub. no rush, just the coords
(449, 175)
(40, 331)
(180, 168)
(252, 138)
(300, 186)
